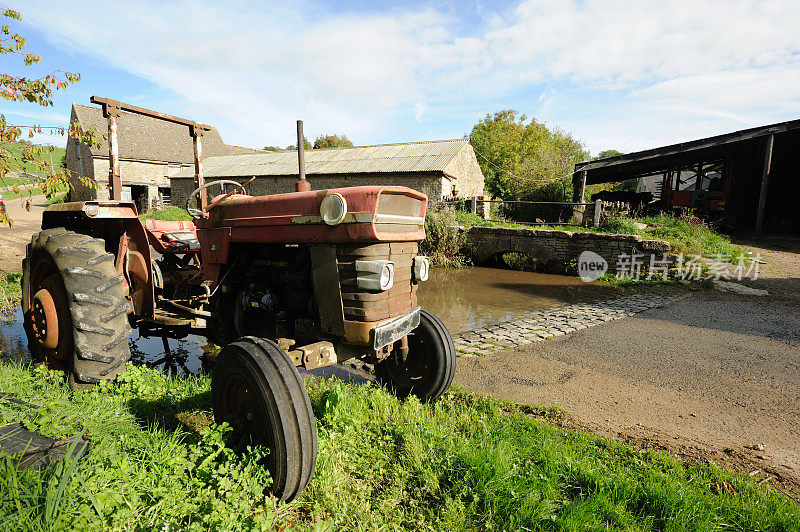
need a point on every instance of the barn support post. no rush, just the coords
(473, 205)
(578, 186)
(762, 197)
(578, 190)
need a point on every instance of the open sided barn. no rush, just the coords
(748, 179)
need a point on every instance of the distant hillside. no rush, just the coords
(16, 165)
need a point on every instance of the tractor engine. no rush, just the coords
(339, 265)
(272, 292)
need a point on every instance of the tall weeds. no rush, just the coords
(443, 241)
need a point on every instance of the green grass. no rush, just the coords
(686, 235)
(464, 463)
(10, 292)
(15, 164)
(170, 213)
(58, 198)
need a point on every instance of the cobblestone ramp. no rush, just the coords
(547, 324)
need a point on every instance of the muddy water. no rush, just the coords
(464, 299)
(469, 298)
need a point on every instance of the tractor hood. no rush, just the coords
(339, 215)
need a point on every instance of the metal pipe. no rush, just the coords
(114, 181)
(302, 184)
(199, 178)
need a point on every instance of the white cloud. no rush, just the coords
(253, 69)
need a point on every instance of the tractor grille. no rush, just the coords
(364, 305)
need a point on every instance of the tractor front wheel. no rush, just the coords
(257, 390)
(75, 311)
(430, 365)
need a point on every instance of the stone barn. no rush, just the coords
(150, 151)
(442, 169)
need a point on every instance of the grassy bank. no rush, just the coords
(16, 164)
(467, 462)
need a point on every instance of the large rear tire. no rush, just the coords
(74, 307)
(257, 390)
(430, 366)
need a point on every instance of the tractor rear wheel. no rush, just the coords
(257, 390)
(75, 311)
(430, 365)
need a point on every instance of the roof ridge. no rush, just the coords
(403, 143)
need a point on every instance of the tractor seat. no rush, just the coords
(168, 236)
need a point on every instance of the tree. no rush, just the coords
(607, 153)
(293, 147)
(325, 142)
(273, 148)
(37, 91)
(522, 159)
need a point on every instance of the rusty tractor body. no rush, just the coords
(304, 279)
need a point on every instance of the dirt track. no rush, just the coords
(14, 239)
(716, 375)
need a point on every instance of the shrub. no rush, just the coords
(623, 226)
(443, 241)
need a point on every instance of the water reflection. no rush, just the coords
(464, 299)
(468, 298)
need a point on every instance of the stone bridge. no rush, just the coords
(554, 250)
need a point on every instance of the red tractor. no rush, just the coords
(304, 279)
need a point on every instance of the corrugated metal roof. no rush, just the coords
(427, 156)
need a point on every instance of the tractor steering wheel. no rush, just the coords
(197, 213)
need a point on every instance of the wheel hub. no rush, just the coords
(44, 319)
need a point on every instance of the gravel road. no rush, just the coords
(14, 239)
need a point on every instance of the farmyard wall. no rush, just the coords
(556, 250)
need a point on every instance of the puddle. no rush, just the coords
(469, 298)
(463, 299)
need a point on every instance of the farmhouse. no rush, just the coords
(150, 151)
(746, 179)
(441, 169)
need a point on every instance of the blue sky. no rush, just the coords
(615, 74)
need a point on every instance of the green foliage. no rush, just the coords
(443, 241)
(324, 142)
(10, 293)
(170, 213)
(41, 157)
(622, 226)
(464, 463)
(606, 154)
(293, 147)
(524, 160)
(39, 91)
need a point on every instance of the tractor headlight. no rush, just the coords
(375, 274)
(333, 208)
(421, 267)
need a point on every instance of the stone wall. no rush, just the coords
(555, 251)
(150, 174)
(429, 183)
(464, 166)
